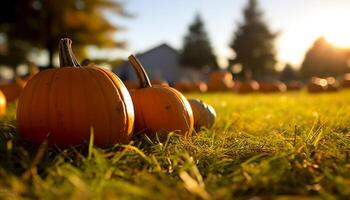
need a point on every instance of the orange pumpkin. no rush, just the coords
(346, 81)
(2, 103)
(159, 109)
(63, 105)
(199, 86)
(267, 87)
(182, 86)
(332, 84)
(159, 82)
(294, 85)
(317, 85)
(204, 114)
(220, 81)
(246, 87)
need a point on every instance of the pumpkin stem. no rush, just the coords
(66, 56)
(140, 72)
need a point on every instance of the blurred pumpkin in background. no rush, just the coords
(220, 81)
(275, 86)
(346, 81)
(204, 114)
(332, 84)
(63, 105)
(159, 82)
(317, 85)
(243, 87)
(159, 109)
(198, 86)
(294, 85)
(182, 86)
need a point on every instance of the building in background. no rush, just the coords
(161, 62)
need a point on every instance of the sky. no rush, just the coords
(299, 23)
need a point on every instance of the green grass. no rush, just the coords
(275, 146)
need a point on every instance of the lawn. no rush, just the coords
(274, 146)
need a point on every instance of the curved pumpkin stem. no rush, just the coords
(140, 72)
(66, 56)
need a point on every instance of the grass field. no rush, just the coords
(275, 146)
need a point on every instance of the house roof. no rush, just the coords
(163, 45)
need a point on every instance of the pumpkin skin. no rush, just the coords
(159, 109)
(61, 105)
(204, 114)
(220, 81)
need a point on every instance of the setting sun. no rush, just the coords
(335, 28)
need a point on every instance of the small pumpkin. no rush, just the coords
(182, 86)
(346, 81)
(332, 84)
(268, 87)
(159, 109)
(204, 114)
(62, 105)
(198, 86)
(317, 85)
(294, 85)
(159, 82)
(246, 87)
(220, 81)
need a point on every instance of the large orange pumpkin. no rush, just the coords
(204, 114)
(220, 81)
(63, 105)
(159, 109)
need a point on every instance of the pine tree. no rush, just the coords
(253, 44)
(39, 24)
(288, 73)
(197, 51)
(323, 60)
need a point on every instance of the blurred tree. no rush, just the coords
(41, 23)
(288, 73)
(323, 60)
(197, 51)
(253, 44)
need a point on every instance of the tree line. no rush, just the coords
(253, 44)
(30, 25)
